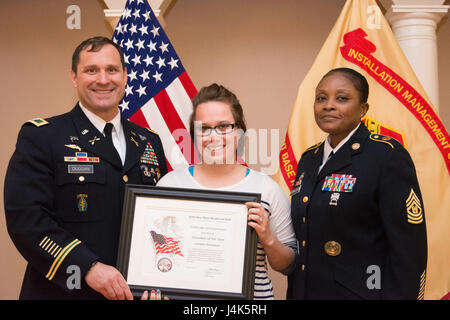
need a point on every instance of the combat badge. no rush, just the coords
(414, 208)
(334, 199)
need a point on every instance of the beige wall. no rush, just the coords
(261, 49)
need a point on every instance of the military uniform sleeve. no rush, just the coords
(29, 195)
(403, 218)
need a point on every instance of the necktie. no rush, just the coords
(108, 136)
(108, 133)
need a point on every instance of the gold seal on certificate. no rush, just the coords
(164, 265)
(188, 243)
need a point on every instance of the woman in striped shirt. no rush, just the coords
(217, 126)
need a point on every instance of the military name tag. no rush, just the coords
(76, 169)
(339, 183)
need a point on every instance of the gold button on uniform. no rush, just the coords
(81, 178)
(125, 178)
(305, 199)
(355, 146)
(304, 220)
(303, 267)
(303, 243)
(333, 248)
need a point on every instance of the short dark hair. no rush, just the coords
(93, 45)
(356, 78)
(216, 92)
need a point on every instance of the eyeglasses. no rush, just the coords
(222, 129)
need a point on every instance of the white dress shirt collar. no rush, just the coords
(98, 122)
(327, 146)
(117, 133)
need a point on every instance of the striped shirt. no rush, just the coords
(274, 201)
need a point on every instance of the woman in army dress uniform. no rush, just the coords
(356, 205)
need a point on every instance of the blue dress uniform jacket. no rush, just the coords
(64, 191)
(363, 238)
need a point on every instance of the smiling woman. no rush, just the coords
(217, 125)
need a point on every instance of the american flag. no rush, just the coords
(165, 244)
(159, 91)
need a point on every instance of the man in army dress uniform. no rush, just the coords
(65, 183)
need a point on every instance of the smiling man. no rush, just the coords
(65, 183)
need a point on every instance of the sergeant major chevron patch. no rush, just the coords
(414, 208)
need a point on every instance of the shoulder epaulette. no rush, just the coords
(313, 147)
(154, 132)
(384, 139)
(38, 122)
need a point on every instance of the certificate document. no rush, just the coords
(188, 242)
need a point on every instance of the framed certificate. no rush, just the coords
(189, 243)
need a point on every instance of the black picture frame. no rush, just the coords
(132, 192)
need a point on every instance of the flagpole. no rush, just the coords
(414, 25)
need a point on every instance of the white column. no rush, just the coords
(414, 25)
(115, 9)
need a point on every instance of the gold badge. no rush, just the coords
(73, 146)
(92, 141)
(332, 248)
(356, 146)
(82, 202)
(414, 208)
(135, 142)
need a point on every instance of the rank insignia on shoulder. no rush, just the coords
(313, 147)
(38, 122)
(414, 208)
(380, 138)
